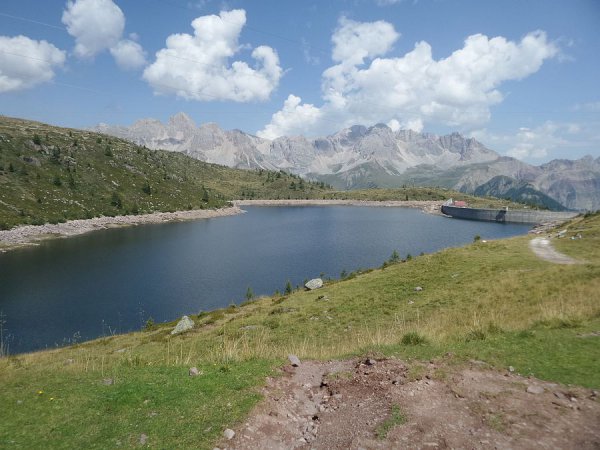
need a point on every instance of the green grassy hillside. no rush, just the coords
(492, 301)
(51, 174)
(421, 194)
(519, 191)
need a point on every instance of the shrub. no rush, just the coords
(149, 324)
(413, 338)
(271, 323)
(116, 201)
(475, 335)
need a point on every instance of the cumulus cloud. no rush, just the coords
(529, 145)
(129, 55)
(536, 143)
(197, 67)
(415, 89)
(96, 25)
(300, 117)
(355, 41)
(25, 62)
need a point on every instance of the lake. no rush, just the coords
(112, 281)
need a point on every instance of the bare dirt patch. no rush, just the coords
(368, 404)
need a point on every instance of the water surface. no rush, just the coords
(114, 280)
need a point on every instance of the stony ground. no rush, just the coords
(370, 404)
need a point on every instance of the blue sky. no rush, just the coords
(520, 76)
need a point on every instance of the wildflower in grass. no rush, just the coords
(40, 392)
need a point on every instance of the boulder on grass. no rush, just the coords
(313, 284)
(185, 324)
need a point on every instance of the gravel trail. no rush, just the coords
(542, 247)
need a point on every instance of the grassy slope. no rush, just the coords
(55, 174)
(492, 301)
(421, 193)
(52, 174)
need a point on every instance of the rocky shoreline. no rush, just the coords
(27, 235)
(428, 206)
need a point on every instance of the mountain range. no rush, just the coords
(377, 156)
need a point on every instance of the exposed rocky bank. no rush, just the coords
(32, 234)
(428, 206)
(27, 235)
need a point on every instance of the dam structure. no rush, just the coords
(506, 216)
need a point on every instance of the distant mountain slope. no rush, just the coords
(338, 153)
(365, 157)
(52, 174)
(519, 191)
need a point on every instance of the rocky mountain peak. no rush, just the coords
(361, 156)
(181, 120)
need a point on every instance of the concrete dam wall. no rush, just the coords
(503, 216)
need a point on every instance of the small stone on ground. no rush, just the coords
(534, 389)
(228, 434)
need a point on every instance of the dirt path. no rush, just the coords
(542, 247)
(369, 404)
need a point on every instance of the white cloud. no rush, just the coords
(355, 41)
(587, 107)
(129, 55)
(96, 25)
(416, 89)
(537, 143)
(25, 62)
(197, 67)
(299, 117)
(309, 58)
(387, 2)
(544, 142)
